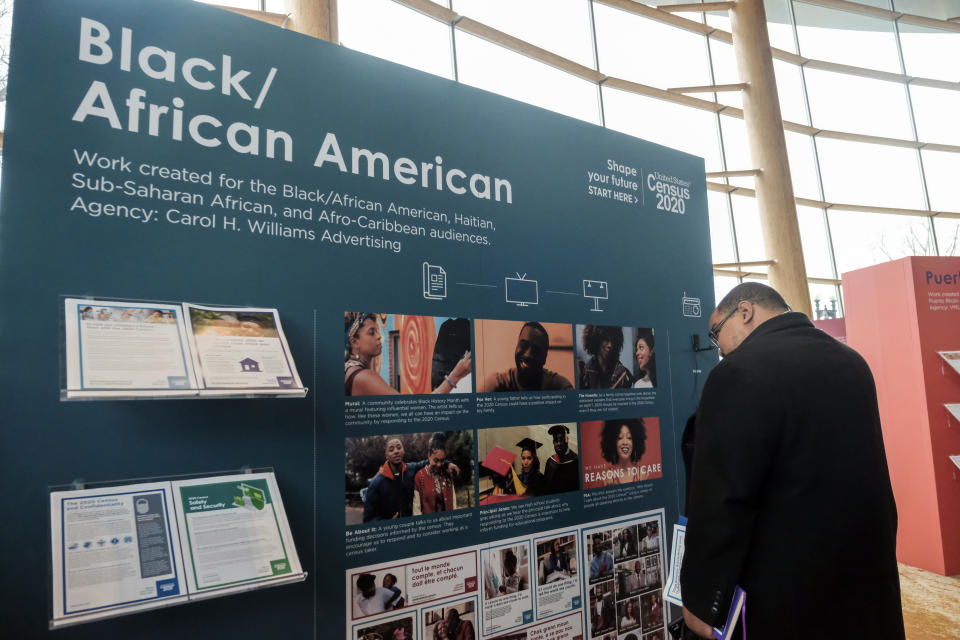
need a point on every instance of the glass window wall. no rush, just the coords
(936, 114)
(846, 37)
(672, 125)
(948, 236)
(930, 53)
(861, 239)
(870, 174)
(816, 247)
(941, 170)
(559, 26)
(655, 53)
(385, 29)
(842, 102)
(721, 233)
(649, 52)
(489, 66)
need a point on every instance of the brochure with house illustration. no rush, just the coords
(235, 532)
(127, 548)
(117, 349)
(241, 348)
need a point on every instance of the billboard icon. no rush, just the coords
(521, 291)
(596, 289)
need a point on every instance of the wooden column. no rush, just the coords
(768, 150)
(316, 18)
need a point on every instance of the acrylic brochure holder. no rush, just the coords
(129, 349)
(953, 359)
(127, 546)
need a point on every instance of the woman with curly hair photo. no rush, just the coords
(603, 370)
(622, 444)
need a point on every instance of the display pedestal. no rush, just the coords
(899, 315)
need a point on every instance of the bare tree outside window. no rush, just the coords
(6, 15)
(915, 242)
(950, 243)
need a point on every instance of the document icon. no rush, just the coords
(434, 282)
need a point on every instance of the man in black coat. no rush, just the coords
(789, 495)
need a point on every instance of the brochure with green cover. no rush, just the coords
(234, 532)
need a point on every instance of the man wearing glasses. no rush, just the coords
(788, 492)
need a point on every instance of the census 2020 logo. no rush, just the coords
(671, 192)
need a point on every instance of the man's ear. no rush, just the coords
(747, 310)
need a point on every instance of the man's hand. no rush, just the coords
(454, 469)
(697, 625)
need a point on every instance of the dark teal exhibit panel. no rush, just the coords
(177, 152)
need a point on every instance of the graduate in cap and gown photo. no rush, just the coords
(530, 476)
(562, 470)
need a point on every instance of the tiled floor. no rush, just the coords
(931, 604)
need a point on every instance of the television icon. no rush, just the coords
(596, 289)
(521, 291)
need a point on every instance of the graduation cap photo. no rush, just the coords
(527, 461)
